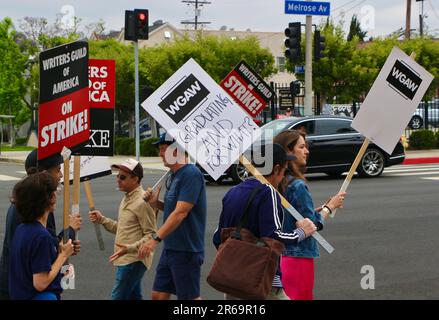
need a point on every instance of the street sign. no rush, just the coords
(63, 115)
(299, 69)
(247, 88)
(202, 118)
(307, 8)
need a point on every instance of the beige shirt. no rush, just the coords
(136, 223)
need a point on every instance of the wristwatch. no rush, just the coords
(156, 237)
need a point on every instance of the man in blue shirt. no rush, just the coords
(183, 228)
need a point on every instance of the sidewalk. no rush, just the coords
(156, 164)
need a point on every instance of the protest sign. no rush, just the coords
(90, 168)
(392, 100)
(247, 88)
(63, 115)
(102, 95)
(202, 118)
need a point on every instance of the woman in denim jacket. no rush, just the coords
(297, 262)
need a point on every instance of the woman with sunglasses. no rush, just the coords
(297, 262)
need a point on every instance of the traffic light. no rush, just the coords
(141, 23)
(294, 33)
(130, 33)
(319, 45)
(295, 88)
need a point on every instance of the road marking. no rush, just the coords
(8, 178)
(414, 174)
(431, 178)
(414, 170)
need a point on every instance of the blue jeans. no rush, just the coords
(128, 284)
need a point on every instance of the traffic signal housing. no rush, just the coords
(294, 34)
(319, 45)
(141, 23)
(130, 32)
(295, 88)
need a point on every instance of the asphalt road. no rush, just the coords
(389, 223)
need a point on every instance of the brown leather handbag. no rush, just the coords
(245, 265)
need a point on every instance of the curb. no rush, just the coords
(12, 160)
(428, 160)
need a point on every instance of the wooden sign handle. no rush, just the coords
(255, 172)
(91, 205)
(66, 212)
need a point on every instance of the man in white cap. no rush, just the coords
(136, 223)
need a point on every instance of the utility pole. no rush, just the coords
(197, 4)
(421, 18)
(308, 66)
(408, 15)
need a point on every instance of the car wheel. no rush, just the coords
(372, 164)
(416, 122)
(239, 173)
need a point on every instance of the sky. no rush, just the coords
(378, 17)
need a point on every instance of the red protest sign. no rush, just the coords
(247, 88)
(102, 83)
(102, 96)
(63, 115)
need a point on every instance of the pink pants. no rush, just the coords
(298, 277)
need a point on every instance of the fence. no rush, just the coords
(426, 115)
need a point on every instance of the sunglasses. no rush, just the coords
(121, 177)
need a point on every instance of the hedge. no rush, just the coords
(127, 146)
(423, 139)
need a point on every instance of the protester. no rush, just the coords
(35, 260)
(51, 165)
(265, 212)
(184, 223)
(136, 223)
(297, 262)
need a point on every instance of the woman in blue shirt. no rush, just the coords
(36, 259)
(297, 262)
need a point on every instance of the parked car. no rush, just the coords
(418, 119)
(333, 146)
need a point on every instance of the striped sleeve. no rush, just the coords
(270, 222)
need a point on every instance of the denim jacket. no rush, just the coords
(299, 196)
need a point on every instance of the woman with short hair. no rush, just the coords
(36, 258)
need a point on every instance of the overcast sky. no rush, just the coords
(378, 17)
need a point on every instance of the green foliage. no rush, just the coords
(217, 55)
(147, 149)
(124, 146)
(423, 139)
(127, 146)
(20, 141)
(437, 139)
(355, 30)
(12, 70)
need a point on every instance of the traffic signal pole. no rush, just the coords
(308, 66)
(136, 98)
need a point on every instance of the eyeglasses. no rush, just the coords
(121, 177)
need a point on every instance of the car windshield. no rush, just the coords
(272, 128)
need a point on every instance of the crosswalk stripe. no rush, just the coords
(415, 170)
(8, 178)
(414, 174)
(431, 178)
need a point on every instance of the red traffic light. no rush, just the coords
(142, 16)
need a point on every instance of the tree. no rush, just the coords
(355, 30)
(12, 70)
(216, 55)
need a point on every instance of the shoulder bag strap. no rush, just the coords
(243, 220)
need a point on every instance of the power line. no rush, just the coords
(342, 6)
(353, 7)
(197, 11)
